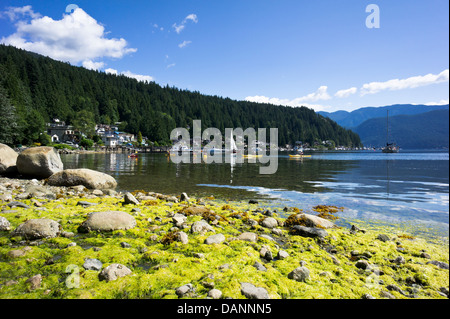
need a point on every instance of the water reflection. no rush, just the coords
(369, 186)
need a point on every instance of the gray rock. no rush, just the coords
(114, 271)
(309, 231)
(85, 203)
(8, 159)
(130, 199)
(439, 264)
(18, 204)
(362, 264)
(399, 260)
(40, 162)
(282, 254)
(383, 237)
(201, 227)
(37, 229)
(182, 237)
(259, 266)
(92, 264)
(179, 220)
(4, 224)
(88, 178)
(269, 222)
(184, 197)
(215, 239)
(252, 292)
(184, 290)
(248, 236)
(215, 294)
(300, 274)
(315, 221)
(107, 221)
(35, 282)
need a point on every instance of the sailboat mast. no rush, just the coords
(387, 128)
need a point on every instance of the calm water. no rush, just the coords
(411, 186)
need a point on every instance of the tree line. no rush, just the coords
(35, 89)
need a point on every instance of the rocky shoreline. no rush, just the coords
(63, 237)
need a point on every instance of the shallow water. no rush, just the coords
(407, 187)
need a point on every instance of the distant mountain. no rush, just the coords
(357, 117)
(428, 130)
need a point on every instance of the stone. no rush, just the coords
(282, 254)
(183, 290)
(35, 282)
(130, 199)
(85, 203)
(184, 197)
(362, 264)
(259, 266)
(92, 264)
(300, 274)
(215, 294)
(179, 220)
(182, 237)
(399, 260)
(248, 236)
(5, 225)
(39, 162)
(195, 210)
(201, 227)
(8, 159)
(215, 239)
(82, 176)
(253, 201)
(383, 237)
(439, 264)
(269, 222)
(16, 253)
(37, 229)
(18, 204)
(309, 231)
(315, 221)
(107, 221)
(114, 272)
(252, 292)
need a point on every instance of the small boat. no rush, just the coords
(135, 155)
(298, 156)
(251, 156)
(390, 147)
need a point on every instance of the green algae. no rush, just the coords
(159, 266)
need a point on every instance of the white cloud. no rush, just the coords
(178, 28)
(441, 102)
(184, 44)
(91, 65)
(320, 94)
(408, 83)
(346, 93)
(139, 77)
(14, 13)
(76, 38)
(171, 65)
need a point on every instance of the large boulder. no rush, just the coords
(82, 176)
(8, 159)
(39, 162)
(107, 221)
(37, 229)
(114, 272)
(315, 221)
(309, 231)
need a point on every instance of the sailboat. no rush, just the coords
(390, 147)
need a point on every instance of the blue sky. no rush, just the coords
(320, 54)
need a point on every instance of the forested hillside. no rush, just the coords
(36, 89)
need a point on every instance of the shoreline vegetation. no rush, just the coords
(65, 236)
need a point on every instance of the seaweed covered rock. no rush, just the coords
(309, 220)
(37, 229)
(4, 224)
(252, 292)
(114, 272)
(309, 231)
(40, 162)
(107, 221)
(88, 178)
(8, 158)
